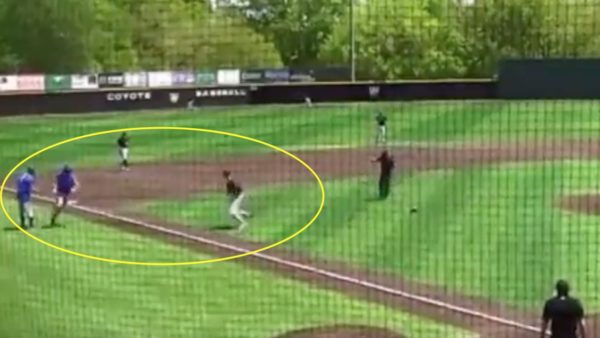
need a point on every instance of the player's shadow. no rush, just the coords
(43, 227)
(374, 199)
(222, 228)
(50, 226)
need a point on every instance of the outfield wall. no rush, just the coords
(549, 79)
(129, 99)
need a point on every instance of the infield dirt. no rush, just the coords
(342, 332)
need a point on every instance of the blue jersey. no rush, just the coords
(25, 183)
(65, 182)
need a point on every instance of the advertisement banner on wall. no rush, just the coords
(129, 96)
(252, 76)
(221, 96)
(332, 74)
(8, 83)
(31, 83)
(302, 75)
(58, 83)
(160, 79)
(184, 78)
(136, 79)
(222, 92)
(206, 78)
(84, 81)
(277, 75)
(111, 80)
(228, 77)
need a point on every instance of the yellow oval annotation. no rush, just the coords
(206, 261)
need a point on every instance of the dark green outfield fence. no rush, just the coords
(549, 79)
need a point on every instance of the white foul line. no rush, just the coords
(304, 267)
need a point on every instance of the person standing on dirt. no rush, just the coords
(564, 315)
(381, 121)
(123, 144)
(386, 165)
(66, 184)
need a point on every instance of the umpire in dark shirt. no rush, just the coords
(386, 163)
(564, 314)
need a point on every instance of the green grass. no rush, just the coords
(491, 231)
(279, 210)
(487, 232)
(51, 294)
(290, 126)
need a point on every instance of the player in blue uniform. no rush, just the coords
(66, 183)
(25, 188)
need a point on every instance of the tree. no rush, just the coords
(9, 62)
(498, 29)
(298, 28)
(48, 35)
(398, 40)
(229, 42)
(177, 34)
(112, 37)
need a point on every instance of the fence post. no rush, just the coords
(352, 41)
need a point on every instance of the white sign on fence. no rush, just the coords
(84, 81)
(228, 77)
(160, 79)
(138, 79)
(31, 83)
(8, 83)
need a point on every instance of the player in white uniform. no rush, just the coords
(235, 193)
(123, 144)
(381, 120)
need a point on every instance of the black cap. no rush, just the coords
(30, 171)
(226, 173)
(562, 288)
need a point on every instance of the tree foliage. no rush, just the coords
(48, 35)
(298, 28)
(394, 39)
(74, 36)
(398, 40)
(446, 38)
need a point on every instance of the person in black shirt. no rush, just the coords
(386, 163)
(564, 314)
(123, 144)
(235, 193)
(381, 121)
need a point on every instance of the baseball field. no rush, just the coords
(506, 196)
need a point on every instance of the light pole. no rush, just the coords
(352, 41)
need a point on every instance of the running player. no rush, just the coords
(123, 144)
(66, 183)
(25, 188)
(235, 193)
